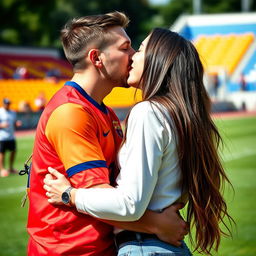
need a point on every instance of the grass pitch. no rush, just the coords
(239, 158)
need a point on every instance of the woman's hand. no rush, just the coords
(55, 184)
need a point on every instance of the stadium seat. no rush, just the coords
(36, 66)
(27, 90)
(222, 51)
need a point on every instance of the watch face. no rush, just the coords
(65, 197)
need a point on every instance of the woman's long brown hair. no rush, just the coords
(173, 77)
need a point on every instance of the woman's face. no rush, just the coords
(137, 65)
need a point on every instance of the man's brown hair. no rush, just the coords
(79, 33)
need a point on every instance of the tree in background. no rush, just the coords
(38, 23)
(26, 22)
(174, 8)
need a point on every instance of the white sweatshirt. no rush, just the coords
(150, 173)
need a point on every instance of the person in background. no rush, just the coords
(53, 75)
(169, 154)
(243, 84)
(1, 73)
(24, 107)
(40, 102)
(216, 85)
(8, 124)
(80, 137)
(21, 73)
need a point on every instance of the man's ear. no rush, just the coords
(94, 56)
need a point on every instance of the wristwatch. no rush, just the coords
(66, 197)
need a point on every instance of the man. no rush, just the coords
(8, 123)
(79, 136)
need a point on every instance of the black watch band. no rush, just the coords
(66, 197)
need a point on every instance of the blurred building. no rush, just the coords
(226, 44)
(227, 47)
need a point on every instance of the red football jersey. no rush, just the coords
(79, 138)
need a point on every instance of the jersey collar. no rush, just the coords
(101, 106)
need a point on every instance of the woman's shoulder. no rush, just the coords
(141, 105)
(142, 110)
(146, 110)
(146, 107)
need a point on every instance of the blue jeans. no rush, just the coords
(152, 247)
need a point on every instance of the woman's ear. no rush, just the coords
(94, 56)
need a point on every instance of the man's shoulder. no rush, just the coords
(70, 116)
(71, 110)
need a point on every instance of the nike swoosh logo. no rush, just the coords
(105, 134)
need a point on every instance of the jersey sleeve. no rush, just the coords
(72, 132)
(138, 175)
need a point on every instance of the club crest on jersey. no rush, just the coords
(118, 128)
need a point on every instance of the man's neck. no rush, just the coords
(93, 86)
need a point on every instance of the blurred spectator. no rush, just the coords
(243, 85)
(216, 84)
(24, 107)
(1, 73)
(8, 123)
(53, 75)
(40, 101)
(21, 73)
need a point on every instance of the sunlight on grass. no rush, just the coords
(239, 156)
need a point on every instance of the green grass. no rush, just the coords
(13, 218)
(239, 157)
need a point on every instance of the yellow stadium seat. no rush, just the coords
(27, 90)
(223, 51)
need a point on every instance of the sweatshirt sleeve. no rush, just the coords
(139, 171)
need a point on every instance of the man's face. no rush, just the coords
(117, 57)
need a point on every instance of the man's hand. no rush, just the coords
(4, 125)
(171, 228)
(55, 184)
(167, 225)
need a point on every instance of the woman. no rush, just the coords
(169, 153)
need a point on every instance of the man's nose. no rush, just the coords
(132, 51)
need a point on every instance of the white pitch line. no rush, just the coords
(235, 156)
(9, 191)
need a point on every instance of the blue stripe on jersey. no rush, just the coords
(85, 166)
(101, 107)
